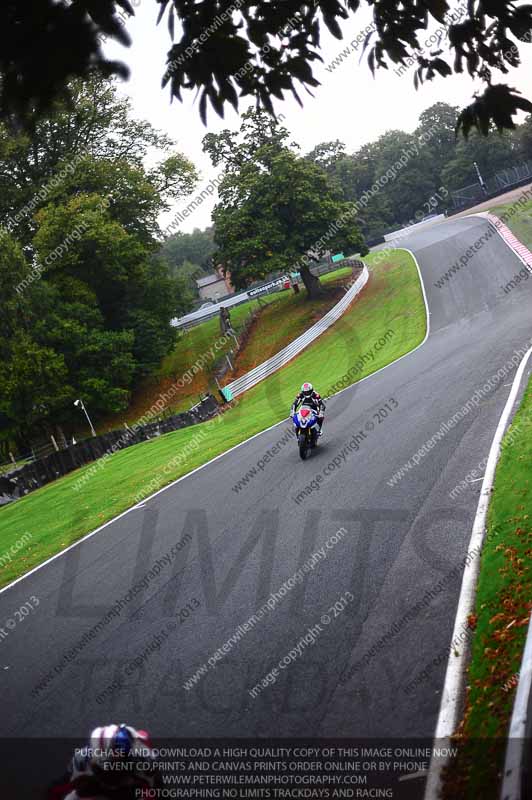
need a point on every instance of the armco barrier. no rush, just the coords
(32, 476)
(281, 358)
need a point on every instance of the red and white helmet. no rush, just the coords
(307, 389)
(117, 758)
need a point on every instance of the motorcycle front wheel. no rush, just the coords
(303, 445)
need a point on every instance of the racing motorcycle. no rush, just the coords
(306, 422)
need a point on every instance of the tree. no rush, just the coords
(69, 144)
(195, 248)
(524, 138)
(34, 383)
(438, 123)
(413, 179)
(186, 288)
(259, 48)
(188, 257)
(276, 210)
(397, 172)
(235, 149)
(86, 300)
(327, 155)
(34, 377)
(82, 242)
(491, 155)
(280, 213)
(355, 174)
(352, 175)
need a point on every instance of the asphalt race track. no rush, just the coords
(238, 548)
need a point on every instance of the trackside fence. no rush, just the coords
(285, 355)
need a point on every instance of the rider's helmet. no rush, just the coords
(118, 760)
(307, 390)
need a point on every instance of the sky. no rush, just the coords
(350, 104)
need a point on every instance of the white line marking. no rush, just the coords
(455, 676)
(226, 452)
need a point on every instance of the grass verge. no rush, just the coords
(57, 515)
(504, 600)
(280, 323)
(294, 312)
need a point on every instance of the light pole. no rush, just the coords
(480, 178)
(79, 404)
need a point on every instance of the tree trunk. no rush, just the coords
(312, 283)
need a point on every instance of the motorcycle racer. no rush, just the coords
(308, 397)
(117, 764)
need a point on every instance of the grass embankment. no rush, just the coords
(518, 219)
(281, 317)
(189, 347)
(504, 599)
(281, 322)
(57, 515)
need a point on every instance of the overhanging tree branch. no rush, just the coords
(265, 49)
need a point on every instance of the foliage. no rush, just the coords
(437, 163)
(524, 138)
(33, 376)
(194, 248)
(69, 149)
(277, 211)
(234, 149)
(189, 257)
(86, 302)
(491, 154)
(260, 49)
(501, 619)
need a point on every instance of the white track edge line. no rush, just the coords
(455, 674)
(226, 452)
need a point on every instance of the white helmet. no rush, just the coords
(307, 389)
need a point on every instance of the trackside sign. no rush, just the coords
(267, 287)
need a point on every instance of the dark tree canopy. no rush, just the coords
(277, 211)
(263, 49)
(429, 183)
(86, 299)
